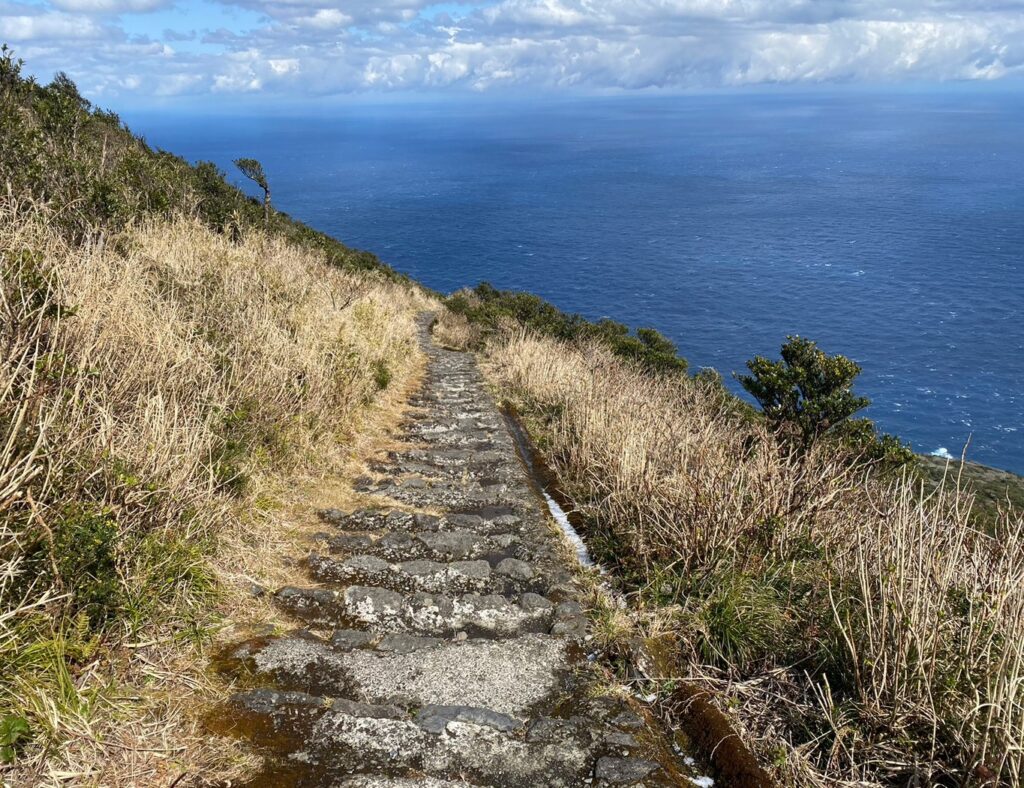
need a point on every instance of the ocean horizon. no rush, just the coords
(887, 226)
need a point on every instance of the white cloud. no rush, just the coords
(284, 66)
(51, 26)
(236, 83)
(325, 19)
(360, 12)
(109, 6)
(360, 45)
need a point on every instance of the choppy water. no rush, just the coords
(888, 227)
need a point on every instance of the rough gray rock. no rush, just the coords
(514, 568)
(507, 676)
(401, 643)
(348, 639)
(621, 771)
(436, 719)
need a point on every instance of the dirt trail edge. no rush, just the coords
(443, 643)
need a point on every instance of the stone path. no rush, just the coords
(442, 641)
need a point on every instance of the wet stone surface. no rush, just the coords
(443, 643)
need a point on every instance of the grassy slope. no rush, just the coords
(165, 363)
(993, 489)
(859, 632)
(147, 422)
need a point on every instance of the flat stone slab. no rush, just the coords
(461, 749)
(482, 520)
(507, 676)
(439, 614)
(510, 677)
(508, 576)
(454, 545)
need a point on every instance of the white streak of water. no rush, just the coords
(558, 513)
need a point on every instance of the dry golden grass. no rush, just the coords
(157, 389)
(454, 331)
(862, 632)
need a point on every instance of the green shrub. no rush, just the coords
(14, 729)
(808, 395)
(381, 374)
(86, 543)
(490, 308)
(805, 394)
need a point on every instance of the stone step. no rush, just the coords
(453, 457)
(485, 520)
(334, 741)
(464, 404)
(448, 493)
(446, 743)
(345, 743)
(506, 576)
(515, 677)
(383, 609)
(455, 420)
(454, 545)
(482, 440)
(437, 473)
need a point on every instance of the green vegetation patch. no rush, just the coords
(82, 161)
(994, 490)
(490, 309)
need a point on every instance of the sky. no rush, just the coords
(229, 52)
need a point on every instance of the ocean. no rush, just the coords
(887, 226)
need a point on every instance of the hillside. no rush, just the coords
(992, 488)
(184, 380)
(170, 369)
(94, 175)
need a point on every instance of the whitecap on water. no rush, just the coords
(943, 452)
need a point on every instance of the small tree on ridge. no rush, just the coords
(253, 170)
(805, 395)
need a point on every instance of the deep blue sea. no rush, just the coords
(889, 227)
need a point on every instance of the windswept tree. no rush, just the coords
(805, 395)
(253, 170)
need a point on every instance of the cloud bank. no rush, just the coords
(323, 47)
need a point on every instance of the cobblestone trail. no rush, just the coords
(442, 640)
